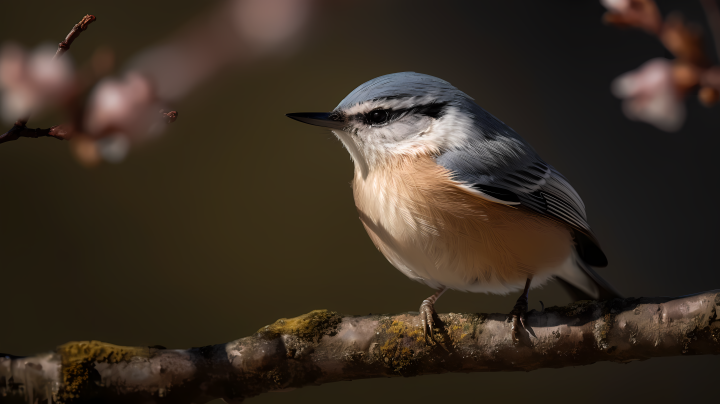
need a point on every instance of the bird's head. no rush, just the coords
(398, 115)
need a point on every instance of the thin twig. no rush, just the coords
(169, 117)
(17, 131)
(63, 47)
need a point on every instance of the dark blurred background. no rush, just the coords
(238, 216)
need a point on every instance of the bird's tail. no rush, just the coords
(583, 283)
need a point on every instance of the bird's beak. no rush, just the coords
(325, 119)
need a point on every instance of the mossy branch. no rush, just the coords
(322, 347)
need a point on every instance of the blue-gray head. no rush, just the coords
(406, 114)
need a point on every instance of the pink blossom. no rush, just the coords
(32, 81)
(121, 112)
(270, 24)
(649, 94)
(126, 106)
(617, 6)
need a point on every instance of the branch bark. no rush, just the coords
(322, 347)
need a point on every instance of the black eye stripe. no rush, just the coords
(374, 117)
(434, 110)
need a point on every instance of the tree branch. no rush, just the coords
(322, 347)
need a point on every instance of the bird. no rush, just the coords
(456, 199)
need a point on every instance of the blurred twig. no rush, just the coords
(169, 117)
(656, 91)
(63, 47)
(642, 14)
(76, 108)
(17, 131)
(713, 16)
(108, 115)
(322, 347)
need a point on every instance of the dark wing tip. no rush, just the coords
(589, 250)
(496, 192)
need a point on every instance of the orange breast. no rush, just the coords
(436, 231)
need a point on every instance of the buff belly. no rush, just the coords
(437, 232)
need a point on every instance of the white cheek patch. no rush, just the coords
(451, 131)
(411, 135)
(404, 129)
(431, 136)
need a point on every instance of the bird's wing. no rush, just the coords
(507, 170)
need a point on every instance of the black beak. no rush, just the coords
(325, 119)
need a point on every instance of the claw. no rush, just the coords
(520, 332)
(427, 310)
(514, 329)
(518, 326)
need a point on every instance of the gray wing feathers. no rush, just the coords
(563, 202)
(496, 158)
(497, 162)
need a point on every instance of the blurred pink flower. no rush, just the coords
(634, 13)
(121, 112)
(649, 94)
(618, 6)
(269, 24)
(233, 33)
(32, 81)
(126, 106)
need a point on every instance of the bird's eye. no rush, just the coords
(378, 116)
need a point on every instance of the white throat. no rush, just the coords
(356, 153)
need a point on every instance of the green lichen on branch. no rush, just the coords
(463, 326)
(97, 351)
(76, 378)
(79, 357)
(310, 327)
(395, 351)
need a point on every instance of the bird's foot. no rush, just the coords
(427, 314)
(517, 316)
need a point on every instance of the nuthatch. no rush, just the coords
(456, 199)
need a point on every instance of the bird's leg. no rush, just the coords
(427, 311)
(519, 311)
